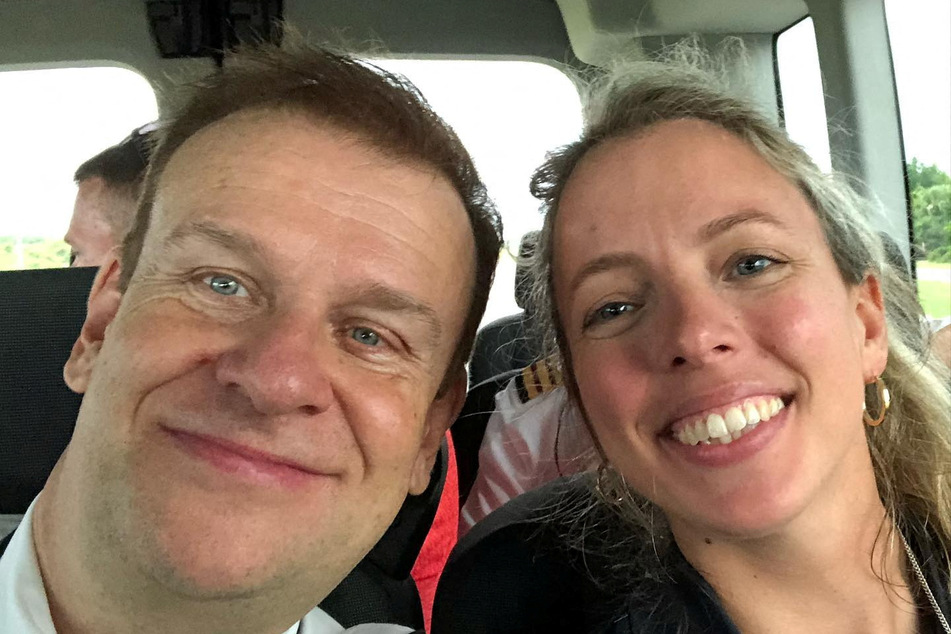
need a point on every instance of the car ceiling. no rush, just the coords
(52, 32)
(595, 27)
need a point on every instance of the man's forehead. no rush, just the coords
(93, 199)
(261, 130)
(290, 146)
(307, 173)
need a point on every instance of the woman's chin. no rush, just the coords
(735, 520)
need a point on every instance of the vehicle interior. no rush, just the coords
(461, 53)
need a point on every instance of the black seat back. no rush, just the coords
(41, 314)
(515, 571)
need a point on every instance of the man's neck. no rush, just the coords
(837, 567)
(92, 588)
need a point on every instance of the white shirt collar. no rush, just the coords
(23, 604)
(24, 608)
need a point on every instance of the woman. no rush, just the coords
(731, 333)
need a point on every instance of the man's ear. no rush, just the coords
(444, 410)
(100, 311)
(870, 310)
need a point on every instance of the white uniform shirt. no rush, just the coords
(518, 451)
(25, 610)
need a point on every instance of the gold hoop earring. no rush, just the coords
(606, 489)
(884, 401)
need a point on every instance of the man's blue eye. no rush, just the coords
(365, 336)
(752, 265)
(224, 285)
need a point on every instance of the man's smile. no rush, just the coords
(252, 465)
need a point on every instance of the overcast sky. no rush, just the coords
(920, 33)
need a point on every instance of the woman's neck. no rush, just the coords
(837, 567)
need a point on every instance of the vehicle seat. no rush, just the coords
(40, 318)
(515, 573)
(509, 343)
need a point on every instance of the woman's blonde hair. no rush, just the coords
(911, 450)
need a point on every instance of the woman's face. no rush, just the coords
(698, 296)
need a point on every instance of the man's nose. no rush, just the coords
(281, 367)
(700, 327)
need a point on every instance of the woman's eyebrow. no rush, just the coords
(707, 232)
(603, 263)
(721, 225)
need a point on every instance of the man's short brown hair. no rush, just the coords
(382, 109)
(122, 169)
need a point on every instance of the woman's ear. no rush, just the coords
(101, 309)
(870, 310)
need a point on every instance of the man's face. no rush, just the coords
(266, 393)
(89, 236)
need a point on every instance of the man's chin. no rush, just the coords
(212, 567)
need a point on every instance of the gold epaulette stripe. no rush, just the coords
(537, 379)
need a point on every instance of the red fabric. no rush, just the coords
(440, 540)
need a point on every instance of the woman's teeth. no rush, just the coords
(722, 429)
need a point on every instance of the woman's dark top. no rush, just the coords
(556, 561)
(689, 605)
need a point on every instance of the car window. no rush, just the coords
(920, 38)
(800, 83)
(508, 114)
(51, 121)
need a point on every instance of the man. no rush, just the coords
(109, 186)
(271, 363)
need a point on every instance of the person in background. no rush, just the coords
(109, 185)
(533, 436)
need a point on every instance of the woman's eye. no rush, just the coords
(751, 265)
(226, 285)
(608, 312)
(366, 336)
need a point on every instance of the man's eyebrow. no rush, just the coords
(211, 232)
(719, 226)
(383, 297)
(603, 263)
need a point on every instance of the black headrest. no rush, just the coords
(509, 343)
(523, 270)
(504, 345)
(41, 314)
